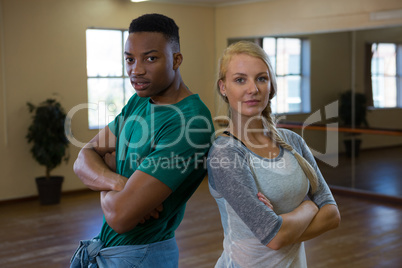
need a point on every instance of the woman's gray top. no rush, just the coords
(236, 175)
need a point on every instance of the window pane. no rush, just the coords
(294, 107)
(383, 68)
(274, 107)
(285, 54)
(288, 58)
(294, 64)
(387, 52)
(384, 91)
(385, 58)
(377, 65)
(125, 36)
(107, 95)
(129, 90)
(376, 90)
(281, 96)
(104, 53)
(269, 45)
(288, 98)
(389, 92)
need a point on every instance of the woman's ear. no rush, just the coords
(177, 60)
(222, 89)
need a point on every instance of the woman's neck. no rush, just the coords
(252, 132)
(246, 128)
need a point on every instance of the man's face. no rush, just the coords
(150, 63)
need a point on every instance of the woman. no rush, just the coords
(260, 175)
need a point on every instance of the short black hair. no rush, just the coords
(157, 23)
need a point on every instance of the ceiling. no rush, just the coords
(207, 2)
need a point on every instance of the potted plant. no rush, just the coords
(346, 117)
(49, 146)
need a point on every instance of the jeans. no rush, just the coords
(91, 254)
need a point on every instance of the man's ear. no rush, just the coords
(177, 60)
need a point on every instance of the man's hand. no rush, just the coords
(154, 214)
(90, 165)
(110, 160)
(139, 200)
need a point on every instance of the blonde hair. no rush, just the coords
(254, 50)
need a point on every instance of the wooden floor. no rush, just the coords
(37, 236)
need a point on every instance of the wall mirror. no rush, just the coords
(368, 63)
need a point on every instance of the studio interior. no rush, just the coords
(339, 66)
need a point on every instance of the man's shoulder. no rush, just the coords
(135, 103)
(194, 104)
(193, 110)
(135, 99)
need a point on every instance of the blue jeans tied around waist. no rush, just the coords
(91, 254)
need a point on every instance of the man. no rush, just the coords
(159, 142)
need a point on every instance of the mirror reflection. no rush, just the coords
(342, 91)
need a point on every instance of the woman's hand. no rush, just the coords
(265, 200)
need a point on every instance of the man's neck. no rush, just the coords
(173, 95)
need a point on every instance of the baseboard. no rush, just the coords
(339, 190)
(36, 197)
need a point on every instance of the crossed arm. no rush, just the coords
(303, 223)
(125, 202)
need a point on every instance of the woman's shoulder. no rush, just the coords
(224, 145)
(290, 136)
(296, 141)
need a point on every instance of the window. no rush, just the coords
(109, 87)
(386, 75)
(290, 59)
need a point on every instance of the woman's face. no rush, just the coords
(247, 85)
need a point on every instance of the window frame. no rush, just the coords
(123, 77)
(305, 67)
(398, 77)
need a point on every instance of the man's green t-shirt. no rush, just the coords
(170, 143)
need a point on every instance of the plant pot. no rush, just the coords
(49, 189)
(349, 149)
